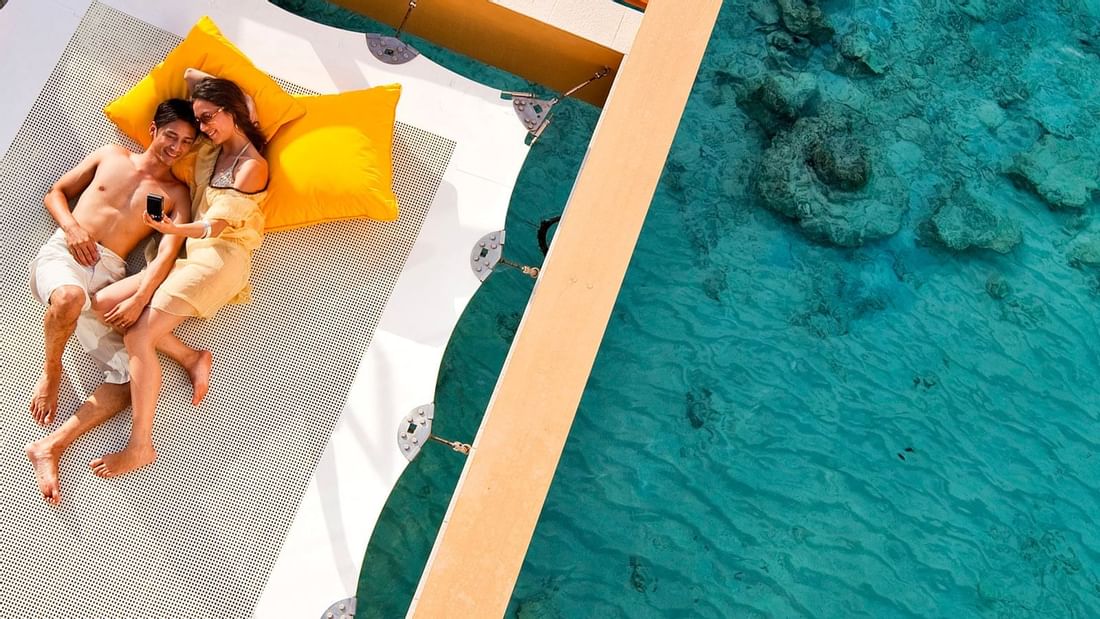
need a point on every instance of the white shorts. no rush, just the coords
(55, 267)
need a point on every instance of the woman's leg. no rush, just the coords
(145, 378)
(109, 296)
(196, 362)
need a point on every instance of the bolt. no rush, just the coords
(342, 607)
(415, 441)
(493, 237)
(406, 447)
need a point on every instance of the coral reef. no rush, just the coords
(862, 51)
(1063, 173)
(788, 51)
(1085, 252)
(998, 287)
(820, 174)
(777, 100)
(804, 17)
(962, 221)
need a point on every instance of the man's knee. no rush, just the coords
(67, 302)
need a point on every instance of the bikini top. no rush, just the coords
(225, 177)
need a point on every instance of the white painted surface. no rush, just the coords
(323, 552)
(601, 21)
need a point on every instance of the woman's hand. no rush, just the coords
(125, 314)
(164, 226)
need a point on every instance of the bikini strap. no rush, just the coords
(236, 159)
(228, 175)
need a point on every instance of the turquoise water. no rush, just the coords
(853, 367)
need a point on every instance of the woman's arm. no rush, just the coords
(194, 230)
(193, 76)
(127, 311)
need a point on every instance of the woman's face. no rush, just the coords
(216, 122)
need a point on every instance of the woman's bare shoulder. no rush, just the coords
(251, 175)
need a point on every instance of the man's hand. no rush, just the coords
(125, 314)
(81, 245)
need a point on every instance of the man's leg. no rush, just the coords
(66, 303)
(145, 380)
(45, 454)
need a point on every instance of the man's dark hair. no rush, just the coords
(173, 110)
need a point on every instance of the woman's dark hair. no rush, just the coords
(172, 110)
(228, 96)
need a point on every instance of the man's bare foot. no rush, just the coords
(200, 376)
(45, 460)
(44, 401)
(125, 461)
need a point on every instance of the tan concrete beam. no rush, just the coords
(503, 38)
(484, 537)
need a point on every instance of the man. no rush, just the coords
(86, 254)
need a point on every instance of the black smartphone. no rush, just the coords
(154, 204)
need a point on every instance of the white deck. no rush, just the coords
(321, 557)
(601, 21)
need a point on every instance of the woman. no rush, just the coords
(230, 183)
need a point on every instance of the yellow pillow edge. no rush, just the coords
(120, 111)
(204, 33)
(325, 220)
(393, 88)
(392, 94)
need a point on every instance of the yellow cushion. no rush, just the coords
(335, 162)
(207, 50)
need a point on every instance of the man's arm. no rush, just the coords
(71, 184)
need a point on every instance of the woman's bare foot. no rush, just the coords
(200, 376)
(121, 462)
(45, 460)
(44, 401)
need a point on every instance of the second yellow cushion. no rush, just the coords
(335, 162)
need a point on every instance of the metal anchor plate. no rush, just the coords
(486, 253)
(532, 112)
(414, 430)
(344, 609)
(390, 50)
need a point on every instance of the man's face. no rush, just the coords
(172, 141)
